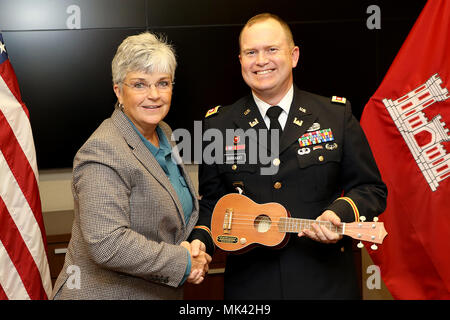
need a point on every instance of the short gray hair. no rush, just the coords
(145, 52)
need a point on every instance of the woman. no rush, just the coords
(134, 206)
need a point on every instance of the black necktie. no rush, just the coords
(273, 113)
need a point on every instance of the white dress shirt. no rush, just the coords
(284, 104)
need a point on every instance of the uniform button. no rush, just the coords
(277, 185)
(342, 249)
(234, 167)
(321, 158)
(276, 162)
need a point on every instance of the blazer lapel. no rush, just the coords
(144, 156)
(301, 117)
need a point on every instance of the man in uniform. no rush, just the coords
(322, 169)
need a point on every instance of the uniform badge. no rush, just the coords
(235, 147)
(314, 127)
(331, 146)
(302, 109)
(235, 158)
(338, 99)
(246, 112)
(298, 122)
(253, 123)
(235, 153)
(303, 151)
(212, 111)
(316, 137)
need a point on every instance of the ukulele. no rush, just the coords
(238, 224)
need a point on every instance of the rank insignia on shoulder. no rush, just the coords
(338, 99)
(212, 111)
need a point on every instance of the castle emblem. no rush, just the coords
(424, 137)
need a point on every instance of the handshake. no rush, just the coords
(199, 261)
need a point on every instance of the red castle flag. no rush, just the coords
(24, 270)
(407, 124)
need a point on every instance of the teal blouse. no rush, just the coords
(164, 158)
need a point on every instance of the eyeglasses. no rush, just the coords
(142, 86)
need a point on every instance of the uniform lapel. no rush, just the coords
(249, 117)
(141, 152)
(301, 117)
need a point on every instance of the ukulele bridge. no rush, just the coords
(227, 220)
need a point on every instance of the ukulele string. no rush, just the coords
(247, 222)
(288, 220)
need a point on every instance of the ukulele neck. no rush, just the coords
(296, 225)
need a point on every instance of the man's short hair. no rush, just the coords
(266, 16)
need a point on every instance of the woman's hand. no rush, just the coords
(199, 261)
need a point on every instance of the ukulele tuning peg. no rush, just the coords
(362, 218)
(360, 245)
(375, 219)
(374, 247)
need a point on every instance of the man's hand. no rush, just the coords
(199, 261)
(321, 233)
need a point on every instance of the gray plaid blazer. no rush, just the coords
(128, 221)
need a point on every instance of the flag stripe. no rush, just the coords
(20, 257)
(20, 232)
(19, 123)
(20, 168)
(3, 295)
(5, 71)
(10, 280)
(18, 175)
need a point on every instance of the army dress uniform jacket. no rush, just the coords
(330, 167)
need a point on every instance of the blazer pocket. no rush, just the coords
(319, 177)
(236, 174)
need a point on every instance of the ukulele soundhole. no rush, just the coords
(262, 223)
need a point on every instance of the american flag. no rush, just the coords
(24, 270)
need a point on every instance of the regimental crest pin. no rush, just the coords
(253, 123)
(298, 122)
